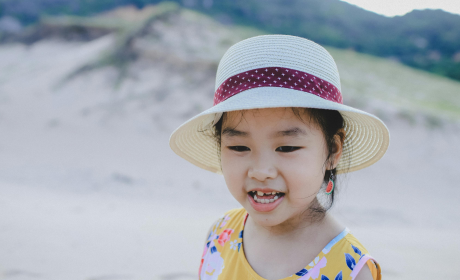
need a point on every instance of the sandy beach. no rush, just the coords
(143, 213)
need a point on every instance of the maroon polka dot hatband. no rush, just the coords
(277, 77)
(273, 71)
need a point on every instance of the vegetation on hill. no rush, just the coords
(377, 84)
(427, 39)
(187, 45)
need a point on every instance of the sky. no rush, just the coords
(400, 7)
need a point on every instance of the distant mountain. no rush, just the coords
(427, 39)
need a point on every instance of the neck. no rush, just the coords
(302, 225)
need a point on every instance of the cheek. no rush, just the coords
(234, 173)
(305, 164)
(227, 164)
(304, 174)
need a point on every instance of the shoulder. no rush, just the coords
(237, 212)
(231, 218)
(360, 261)
(348, 258)
(228, 223)
(223, 241)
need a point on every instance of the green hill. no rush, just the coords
(428, 39)
(413, 93)
(383, 86)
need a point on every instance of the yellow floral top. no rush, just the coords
(223, 255)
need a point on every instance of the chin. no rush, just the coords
(267, 219)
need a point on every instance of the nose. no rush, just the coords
(262, 168)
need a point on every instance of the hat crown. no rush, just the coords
(278, 51)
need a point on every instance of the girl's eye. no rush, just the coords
(239, 148)
(287, 149)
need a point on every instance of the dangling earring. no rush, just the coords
(331, 185)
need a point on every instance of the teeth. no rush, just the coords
(260, 193)
(258, 198)
(265, 200)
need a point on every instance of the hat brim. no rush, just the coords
(367, 137)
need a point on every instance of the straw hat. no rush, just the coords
(280, 71)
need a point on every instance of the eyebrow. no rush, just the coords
(231, 132)
(292, 132)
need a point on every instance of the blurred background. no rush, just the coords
(91, 90)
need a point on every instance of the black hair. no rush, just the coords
(331, 123)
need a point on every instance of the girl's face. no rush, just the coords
(273, 163)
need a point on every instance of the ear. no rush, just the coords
(337, 149)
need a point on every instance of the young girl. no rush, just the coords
(279, 134)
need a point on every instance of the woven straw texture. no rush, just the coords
(367, 137)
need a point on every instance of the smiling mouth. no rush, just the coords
(265, 198)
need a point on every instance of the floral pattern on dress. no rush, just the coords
(234, 245)
(224, 236)
(212, 264)
(338, 277)
(351, 263)
(224, 221)
(302, 272)
(314, 272)
(341, 259)
(350, 260)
